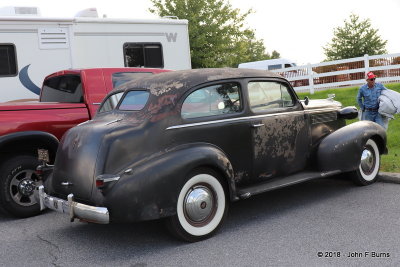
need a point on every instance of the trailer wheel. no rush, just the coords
(202, 206)
(367, 171)
(18, 181)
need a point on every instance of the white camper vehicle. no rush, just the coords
(31, 47)
(270, 64)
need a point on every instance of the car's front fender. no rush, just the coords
(151, 189)
(341, 150)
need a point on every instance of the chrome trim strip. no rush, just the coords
(111, 122)
(249, 118)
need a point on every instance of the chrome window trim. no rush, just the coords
(248, 118)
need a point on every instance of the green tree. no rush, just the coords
(217, 35)
(355, 39)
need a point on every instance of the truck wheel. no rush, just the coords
(367, 171)
(202, 206)
(18, 181)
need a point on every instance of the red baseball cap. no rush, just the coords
(370, 75)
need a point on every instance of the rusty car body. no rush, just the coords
(182, 145)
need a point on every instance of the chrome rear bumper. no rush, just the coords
(74, 209)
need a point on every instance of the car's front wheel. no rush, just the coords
(18, 181)
(201, 208)
(367, 171)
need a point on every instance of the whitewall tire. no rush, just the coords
(367, 171)
(201, 207)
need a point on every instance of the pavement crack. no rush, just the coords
(54, 255)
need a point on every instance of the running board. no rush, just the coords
(279, 182)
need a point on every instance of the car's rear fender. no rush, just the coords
(341, 150)
(151, 189)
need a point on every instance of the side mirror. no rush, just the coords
(306, 100)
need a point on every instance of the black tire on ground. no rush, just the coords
(17, 183)
(367, 171)
(201, 208)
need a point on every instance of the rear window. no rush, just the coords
(8, 61)
(120, 78)
(65, 89)
(134, 100)
(111, 102)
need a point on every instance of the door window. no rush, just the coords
(269, 95)
(213, 100)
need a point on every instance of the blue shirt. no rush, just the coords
(370, 96)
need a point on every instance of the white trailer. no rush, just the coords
(31, 47)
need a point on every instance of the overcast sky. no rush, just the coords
(297, 29)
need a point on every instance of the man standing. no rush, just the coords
(371, 92)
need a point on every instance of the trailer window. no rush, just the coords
(8, 61)
(120, 78)
(147, 55)
(64, 89)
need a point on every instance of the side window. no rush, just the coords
(147, 55)
(268, 95)
(111, 102)
(213, 100)
(8, 60)
(275, 67)
(65, 89)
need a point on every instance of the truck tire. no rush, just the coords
(201, 208)
(18, 181)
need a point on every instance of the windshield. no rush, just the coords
(120, 78)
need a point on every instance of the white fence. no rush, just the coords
(341, 73)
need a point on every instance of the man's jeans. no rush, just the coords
(374, 116)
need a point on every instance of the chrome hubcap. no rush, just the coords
(367, 161)
(22, 186)
(199, 204)
(26, 187)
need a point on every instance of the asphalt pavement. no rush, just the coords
(324, 222)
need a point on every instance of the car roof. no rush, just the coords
(173, 82)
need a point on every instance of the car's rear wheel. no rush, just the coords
(367, 171)
(201, 208)
(18, 181)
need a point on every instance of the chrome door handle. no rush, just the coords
(66, 183)
(257, 125)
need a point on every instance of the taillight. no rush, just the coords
(104, 179)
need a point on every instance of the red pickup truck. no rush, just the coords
(67, 98)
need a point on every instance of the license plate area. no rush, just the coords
(56, 204)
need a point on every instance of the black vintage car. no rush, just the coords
(182, 145)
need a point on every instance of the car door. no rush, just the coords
(214, 114)
(279, 130)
